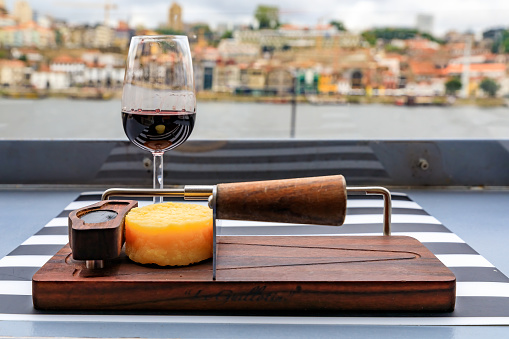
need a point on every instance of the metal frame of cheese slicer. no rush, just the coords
(209, 192)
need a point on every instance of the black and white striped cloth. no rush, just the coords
(206, 162)
(482, 291)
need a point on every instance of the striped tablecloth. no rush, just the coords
(482, 290)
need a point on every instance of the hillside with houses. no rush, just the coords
(45, 56)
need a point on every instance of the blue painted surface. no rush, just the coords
(479, 217)
(24, 212)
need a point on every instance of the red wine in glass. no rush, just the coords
(158, 131)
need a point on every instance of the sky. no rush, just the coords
(357, 15)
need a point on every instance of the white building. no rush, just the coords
(12, 73)
(291, 36)
(426, 88)
(45, 79)
(237, 50)
(103, 76)
(6, 20)
(106, 59)
(103, 36)
(32, 55)
(344, 86)
(103, 69)
(73, 67)
(226, 78)
(392, 64)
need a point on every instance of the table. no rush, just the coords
(477, 216)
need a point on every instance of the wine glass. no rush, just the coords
(158, 97)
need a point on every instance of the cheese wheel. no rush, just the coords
(169, 234)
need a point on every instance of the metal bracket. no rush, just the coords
(387, 211)
(213, 206)
(188, 192)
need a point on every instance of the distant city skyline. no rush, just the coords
(357, 15)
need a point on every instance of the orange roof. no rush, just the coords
(12, 63)
(289, 27)
(206, 52)
(27, 50)
(480, 68)
(423, 68)
(455, 45)
(166, 58)
(94, 65)
(66, 59)
(122, 25)
(400, 57)
(32, 25)
(28, 24)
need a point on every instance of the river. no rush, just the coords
(54, 118)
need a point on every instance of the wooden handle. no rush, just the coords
(317, 200)
(96, 232)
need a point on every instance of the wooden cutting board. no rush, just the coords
(264, 273)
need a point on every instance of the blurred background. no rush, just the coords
(324, 69)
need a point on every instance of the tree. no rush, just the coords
(59, 39)
(489, 86)
(267, 16)
(370, 37)
(394, 49)
(452, 86)
(501, 43)
(227, 35)
(201, 28)
(168, 31)
(339, 25)
(387, 34)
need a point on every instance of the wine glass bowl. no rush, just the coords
(158, 97)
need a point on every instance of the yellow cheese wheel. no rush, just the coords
(169, 234)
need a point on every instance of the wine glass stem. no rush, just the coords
(158, 174)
